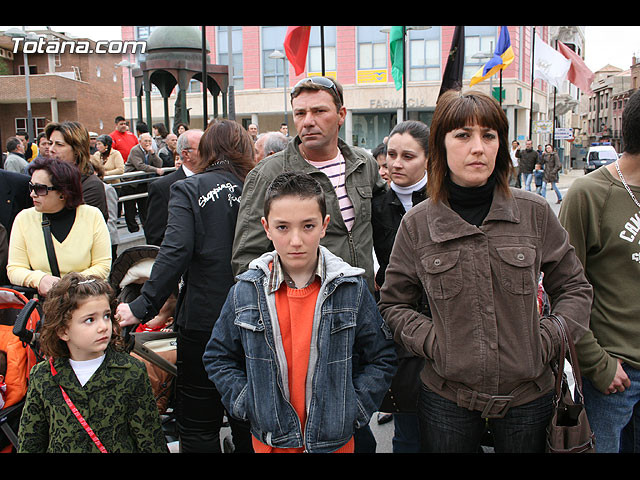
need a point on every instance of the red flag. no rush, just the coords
(579, 74)
(296, 44)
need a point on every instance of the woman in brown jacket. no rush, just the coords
(552, 167)
(477, 248)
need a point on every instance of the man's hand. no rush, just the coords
(620, 381)
(124, 315)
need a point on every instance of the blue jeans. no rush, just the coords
(554, 185)
(615, 418)
(528, 178)
(448, 428)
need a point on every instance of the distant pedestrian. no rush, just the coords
(552, 167)
(527, 160)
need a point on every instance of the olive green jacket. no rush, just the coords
(362, 182)
(117, 403)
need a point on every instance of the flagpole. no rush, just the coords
(500, 87)
(404, 74)
(322, 48)
(533, 45)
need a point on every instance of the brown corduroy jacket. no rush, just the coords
(485, 341)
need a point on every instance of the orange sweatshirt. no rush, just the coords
(295, 309)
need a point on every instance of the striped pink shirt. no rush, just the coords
(335, 170)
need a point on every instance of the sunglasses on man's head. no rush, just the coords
(323, 82)
(40, 189)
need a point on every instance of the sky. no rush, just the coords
(604, 45)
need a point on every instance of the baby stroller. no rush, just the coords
(156, 348)
(19, 323)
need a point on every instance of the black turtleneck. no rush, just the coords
(471, 203)
(61, 222)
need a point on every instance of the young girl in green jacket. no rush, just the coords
(89, 396)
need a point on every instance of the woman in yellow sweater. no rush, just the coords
(78, 232)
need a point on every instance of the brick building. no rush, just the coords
(63, 86)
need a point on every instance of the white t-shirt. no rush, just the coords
(84, 369)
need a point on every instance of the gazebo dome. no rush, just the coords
(175, 37)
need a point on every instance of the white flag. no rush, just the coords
(549, 64)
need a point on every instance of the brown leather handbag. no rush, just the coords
(569, 430)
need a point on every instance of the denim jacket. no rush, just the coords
(351, 361)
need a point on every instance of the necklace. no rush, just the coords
(627, 186)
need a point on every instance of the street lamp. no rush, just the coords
(277, 54)
(127, 64)
(15, 33)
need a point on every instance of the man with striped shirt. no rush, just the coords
(349, 176)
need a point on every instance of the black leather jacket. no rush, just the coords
(197, 244)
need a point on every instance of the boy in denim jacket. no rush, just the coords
(300, 349)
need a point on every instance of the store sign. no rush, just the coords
(396, 103)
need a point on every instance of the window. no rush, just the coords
(223, 53)
(372, 48)
(273, 72)
(478, 41)
(424, 54)
(39, 124)
(315, 50)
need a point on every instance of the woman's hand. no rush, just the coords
(124, 315)
(46, 283)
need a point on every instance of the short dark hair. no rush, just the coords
(13, 143)
(419, 132)
(455, 110)
(379, 150)
(327, 84)
(65, 177)
(294, 184)
(631, 124)
(119, 119)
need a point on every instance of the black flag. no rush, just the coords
(452, 78)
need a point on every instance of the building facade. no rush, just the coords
(66, 85)
(358, 57)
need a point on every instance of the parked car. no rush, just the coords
(599, 154)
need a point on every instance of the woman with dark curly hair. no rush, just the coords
(89, 371)
(79, 233)
(107, 156)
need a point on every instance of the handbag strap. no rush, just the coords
(568, 351)
(77, 414)
(51, 253)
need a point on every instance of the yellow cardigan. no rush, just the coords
(86, 250)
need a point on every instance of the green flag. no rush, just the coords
(396, 50)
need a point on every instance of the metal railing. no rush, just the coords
(134, 178)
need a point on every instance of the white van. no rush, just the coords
(599, 154)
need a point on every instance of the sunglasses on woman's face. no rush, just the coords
(39, 189)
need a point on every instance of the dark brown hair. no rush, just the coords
(65, 177)
(76, 136)
(456, 110)
(296, 184)
(226, 143)
(59, 305)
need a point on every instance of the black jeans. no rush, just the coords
(199, 409)
(449, 428)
